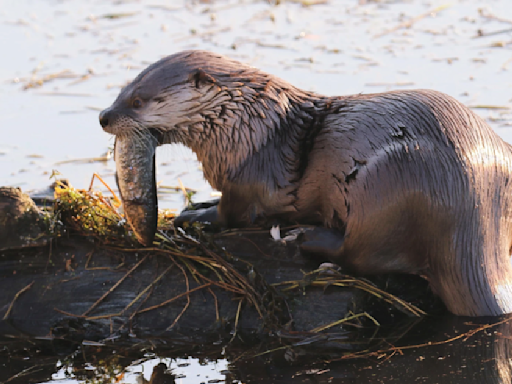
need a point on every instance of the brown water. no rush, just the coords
(87, 50)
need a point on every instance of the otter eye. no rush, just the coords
(137, 103)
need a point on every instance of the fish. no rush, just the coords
(135, 177)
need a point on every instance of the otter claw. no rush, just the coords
(329, 268)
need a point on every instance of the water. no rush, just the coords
(331, 49)
(96, 47)
(186, 371)
(460, 351)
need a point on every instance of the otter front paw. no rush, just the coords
(204, 215)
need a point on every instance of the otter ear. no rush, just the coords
(200, 77)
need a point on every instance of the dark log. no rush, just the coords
(22, 224)
(55, 290)
(61, 284)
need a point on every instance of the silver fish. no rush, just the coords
(135, 176)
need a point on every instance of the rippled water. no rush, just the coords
(331, 49)
(93, 48)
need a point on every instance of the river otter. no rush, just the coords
(403, 181)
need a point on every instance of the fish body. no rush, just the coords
(135, 176)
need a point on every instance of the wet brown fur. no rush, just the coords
(413, 181)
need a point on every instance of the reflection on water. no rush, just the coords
(438, 350)
(150, 371)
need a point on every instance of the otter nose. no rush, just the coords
(104, 115)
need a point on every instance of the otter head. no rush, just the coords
(163, 101)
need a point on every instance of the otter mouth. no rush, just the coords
(135, 176)
(157, 134)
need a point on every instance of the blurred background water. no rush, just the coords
(64, 61)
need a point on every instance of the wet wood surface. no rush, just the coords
(61, 280)
(75, 286)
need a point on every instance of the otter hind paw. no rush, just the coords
(323, 242)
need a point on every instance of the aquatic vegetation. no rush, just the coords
(90, 213)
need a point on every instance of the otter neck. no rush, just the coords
(259, 128)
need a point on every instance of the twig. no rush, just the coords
(177, 188)
(35, 83)
(179, 316)
(104, 268)
(89, 256)
(271, 350)
(184, 190)
(167, 251)
(464, 336)
(347, 281)
(229, 279)
(389, 357)
(494, 33)
(490, 16)
(66, 94)
(237, 317)
(217, 314)
(95, 175)
(192, 270)
(503, 107)
(67, 313)
(16, 298)
(114, 286)
(213, 267)
(338, 322)
(173, 299)
(255, 246)
(147, 289)
(237, 279)
(140, 305)
(187, 284)
(410, 22)
(506, 63)
(226, 287)
(150, 286)
(30, 370)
